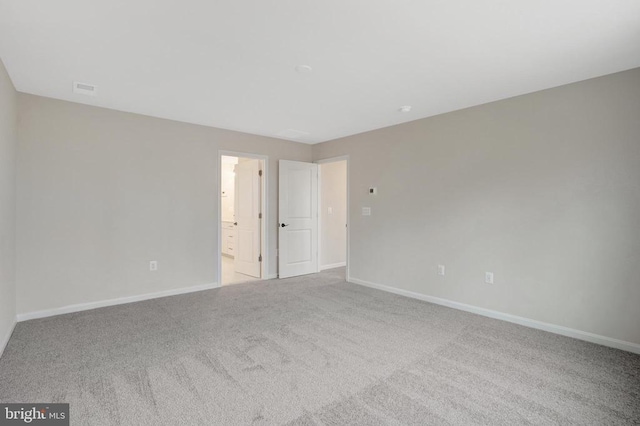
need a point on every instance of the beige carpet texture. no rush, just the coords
(312, 350)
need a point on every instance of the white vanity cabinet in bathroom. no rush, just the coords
(228, 238)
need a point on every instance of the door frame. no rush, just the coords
(264, 206)
(334, 160)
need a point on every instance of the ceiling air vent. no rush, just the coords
(84, 88)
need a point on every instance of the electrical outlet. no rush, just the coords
(441, 270)
(488, 277)
(153, 265)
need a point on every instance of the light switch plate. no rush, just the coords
(366, 211)
(488, 277)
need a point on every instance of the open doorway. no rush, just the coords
(333, 214)
(313, 217)
(242, 207)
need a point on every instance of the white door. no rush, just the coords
(247, 218)
(298, 224)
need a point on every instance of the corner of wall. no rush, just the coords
(5, 339)
(8, 153)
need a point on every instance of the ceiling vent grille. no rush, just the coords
(84, 88)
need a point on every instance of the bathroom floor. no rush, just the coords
(230, 276)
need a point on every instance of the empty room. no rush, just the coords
(319, 213)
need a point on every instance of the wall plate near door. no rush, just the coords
(488, 277)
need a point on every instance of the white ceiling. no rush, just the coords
(231, 63)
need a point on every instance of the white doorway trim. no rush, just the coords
(334, 160)
(264, 207)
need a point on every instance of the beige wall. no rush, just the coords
(542, 189)
(333, 194)
(101, 193)
(8, 143)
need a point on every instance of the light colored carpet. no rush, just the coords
(312, 350)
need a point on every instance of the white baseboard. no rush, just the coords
(333, 265)
(111, 302)
(552, 328)
(5, 339)
(272, 276)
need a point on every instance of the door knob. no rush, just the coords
(235, 223)
(283, 225)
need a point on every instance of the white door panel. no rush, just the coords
(298, 210)
(247, 217)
